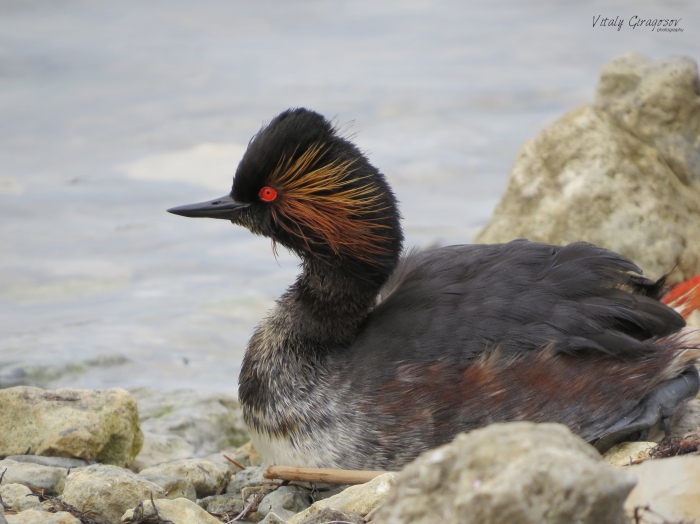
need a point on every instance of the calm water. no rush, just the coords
(113, 111)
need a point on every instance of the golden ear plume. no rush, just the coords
(316, 201)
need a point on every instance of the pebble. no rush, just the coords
(15, 495)
(324, 515)
(175, 487)
(108, 491)
(360, 499)
(249, 477)
(227, 503)
(285, 501)
(54, 462)
(34, 516)
(178, 511)
(205, 476)
(41, 477)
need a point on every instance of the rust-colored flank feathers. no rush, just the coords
(316, 203)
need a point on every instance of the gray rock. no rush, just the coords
(285, 501)
(325, 515)
(226, 503)
(670, 487)
(2, 515)
(99, 425)
(248, 477)
(174, 487)
(178, 511)
(108, 491)
(54, 462)
(16, 496)
(205, 476)
(41, 477)
(514, 472)
(181, 424)
(34, 516)
(623, 174)
(271, 518)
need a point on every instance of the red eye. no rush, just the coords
(268, 194)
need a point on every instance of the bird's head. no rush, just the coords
(311, 190)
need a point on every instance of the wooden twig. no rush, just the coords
(321, 475)
(233, 461)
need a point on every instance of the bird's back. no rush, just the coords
(469, 335)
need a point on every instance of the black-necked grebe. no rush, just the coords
(369, 359)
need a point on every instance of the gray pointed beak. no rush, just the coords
(224, 207)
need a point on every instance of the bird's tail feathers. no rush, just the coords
(685, 297)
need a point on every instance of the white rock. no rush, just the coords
(670, 487)
(54, 462)
(505, 473)
(249, 477)
(108, 491)
(15, 495)
(174, 487)
(34, 516)
(42, 477)
(99, 425)
(204, 475)
(360, 499)
(623, 174)
(179, 511)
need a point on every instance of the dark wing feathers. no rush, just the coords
(519, 297)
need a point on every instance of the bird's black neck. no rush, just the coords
(328, 304)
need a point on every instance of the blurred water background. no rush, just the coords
(111, 112)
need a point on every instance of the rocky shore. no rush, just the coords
(74, 456)
(623, 173)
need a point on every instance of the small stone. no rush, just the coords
(289, 499)
(100, 425)
(179, 511)
(271, 518)
(227, 503)
(175, 487)
(33, 516)
(670, 487)
(205, 476)
(54, 462)
(325, 515)
(627, 453)
(360, 499)
(249, 477)
(41, 477)
(16, 496)
(108, 491)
